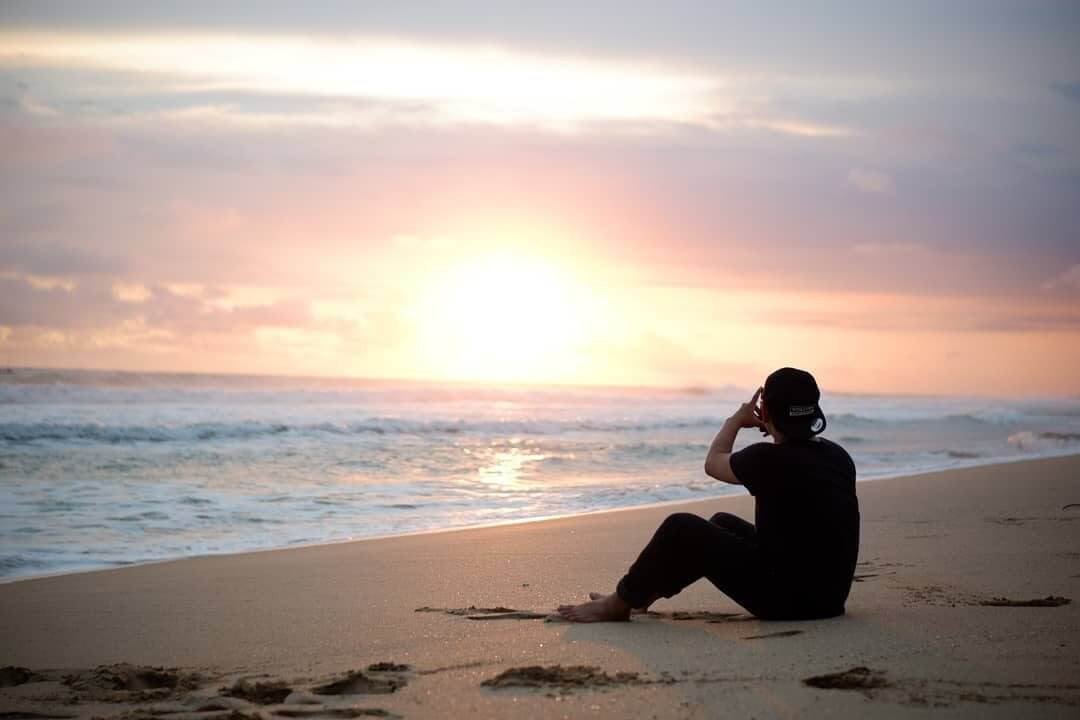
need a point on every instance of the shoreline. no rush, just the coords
(964, 465)
(966, 602)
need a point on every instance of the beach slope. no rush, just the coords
(967, 603)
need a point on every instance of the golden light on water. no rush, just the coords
(506, 467)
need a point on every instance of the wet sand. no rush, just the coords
(967, 604)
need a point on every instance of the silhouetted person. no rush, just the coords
(798, 559)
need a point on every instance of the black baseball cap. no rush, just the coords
(792, 397)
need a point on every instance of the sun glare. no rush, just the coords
(502, 317)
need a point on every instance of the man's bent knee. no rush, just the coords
(677, 521)
(723, 518)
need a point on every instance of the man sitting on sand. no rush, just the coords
(798, 561)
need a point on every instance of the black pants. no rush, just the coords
(724, 549)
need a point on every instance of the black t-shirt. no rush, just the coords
(806, 513)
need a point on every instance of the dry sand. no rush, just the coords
(452, 624)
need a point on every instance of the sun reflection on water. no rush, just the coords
(507, 467)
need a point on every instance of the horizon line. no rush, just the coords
(683, 389)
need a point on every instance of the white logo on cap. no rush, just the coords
(800, 410)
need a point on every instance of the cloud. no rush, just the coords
(374, 82)
(1069, 91)
(131, 292)
(98, 323)
(897, 314)
(101, 303)
(486, 84)
(49, 258)
(762, 119)
(871, 181)
(888, 248)
(1068, 280)
(40, 282)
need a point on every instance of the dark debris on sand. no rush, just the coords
(343, 712)
(238, 715)
(471, 610)
(241, 715)
(271, 692)
(780, 634)
(857, 678)
(516, 615)
(487, 613)
(151, 714)
(557, 676)
(706, 615)
(388, 667)
(1048, 601)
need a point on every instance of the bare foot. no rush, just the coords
(603, 608)
(635, 611)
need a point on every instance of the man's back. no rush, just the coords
(807, 515)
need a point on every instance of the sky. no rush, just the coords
(630, 193)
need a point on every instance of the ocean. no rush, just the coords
(104, 469)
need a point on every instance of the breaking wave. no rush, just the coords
(15, 432)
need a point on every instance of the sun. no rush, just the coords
(502, 317)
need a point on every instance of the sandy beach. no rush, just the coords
(453, 624)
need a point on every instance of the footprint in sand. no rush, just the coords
(124, 682)
(130, 678)
(380, 679)
(941, 692)
(135, 686)
(272, 692)
(13, 675)
(142, 688)
(557, 676)
(936, 595)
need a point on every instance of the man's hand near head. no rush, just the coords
(718, 461)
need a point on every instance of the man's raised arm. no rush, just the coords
(718, 461)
